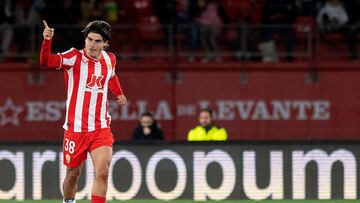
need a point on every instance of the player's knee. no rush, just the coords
(102, 174)
(73, 175)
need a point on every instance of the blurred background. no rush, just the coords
(269, 69)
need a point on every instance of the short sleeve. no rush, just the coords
(68, 58)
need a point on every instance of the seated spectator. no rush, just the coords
(147, 128)
(207, 130)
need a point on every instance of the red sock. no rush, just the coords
(97, 199)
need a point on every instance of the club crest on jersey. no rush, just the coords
(68, 158)
(95, 82)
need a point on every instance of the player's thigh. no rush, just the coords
(101, 158)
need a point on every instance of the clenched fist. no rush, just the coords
(121, 99)
(48, 32)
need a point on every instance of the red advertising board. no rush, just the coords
(261, 105)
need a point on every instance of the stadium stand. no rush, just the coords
(145, 44)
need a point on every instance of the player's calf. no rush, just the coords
(70, 184)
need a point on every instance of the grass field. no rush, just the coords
(190, 201)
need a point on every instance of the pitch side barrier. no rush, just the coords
(252, 105)
(198, 171)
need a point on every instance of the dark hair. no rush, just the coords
(100, 27)
(208, 111)
(147, 114)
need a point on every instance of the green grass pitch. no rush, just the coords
(190, 201)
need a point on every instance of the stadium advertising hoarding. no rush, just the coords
(268, 106)
(192, 171)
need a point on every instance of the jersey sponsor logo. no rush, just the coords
(95, 82)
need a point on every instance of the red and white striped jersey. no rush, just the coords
(87, 82)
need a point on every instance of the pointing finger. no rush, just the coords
(45, 24)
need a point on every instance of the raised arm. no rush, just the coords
(46, 58)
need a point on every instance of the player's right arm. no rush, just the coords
(46, 58)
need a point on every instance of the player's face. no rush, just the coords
(146, 121)
(94, 44)
(205, 119)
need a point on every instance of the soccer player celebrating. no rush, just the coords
(89, 73)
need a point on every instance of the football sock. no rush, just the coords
(97, 199)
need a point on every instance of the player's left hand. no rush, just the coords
(48, 32)
(121, 99)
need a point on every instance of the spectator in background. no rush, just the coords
(87, 8)
(278, 17)
(111, 11)
(183, 15)
(332, 16)
(98, 12)
(6, 20)
(206, 130)
(335, 17)
(147, 128)
(91, 10)
(165, 10)
(182, 11)
(210, 20)
(193, 12)
(245, 34)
